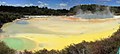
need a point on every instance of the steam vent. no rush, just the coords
(97, 14)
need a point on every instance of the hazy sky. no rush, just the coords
(57, 4)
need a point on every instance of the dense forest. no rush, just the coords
(4, 49)
(104, 46)
(35, 10)
(8, 17)
(10, 13)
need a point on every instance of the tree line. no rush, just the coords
(6, 17)
(35, 10)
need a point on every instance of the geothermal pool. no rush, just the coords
(56, 32)
(19, 43)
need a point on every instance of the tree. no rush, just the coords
(4, 49)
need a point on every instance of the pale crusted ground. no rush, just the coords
(57, 32)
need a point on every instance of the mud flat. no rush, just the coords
(56, 32)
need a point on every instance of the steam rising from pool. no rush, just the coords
(97, 14)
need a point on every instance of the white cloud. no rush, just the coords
(118, 1)
(62, 5)
(2, 3)
(108, 0)
(27, 5)
(23, 5)
(42, 4)
(103, 0)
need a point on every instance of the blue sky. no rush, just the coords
(57, 4)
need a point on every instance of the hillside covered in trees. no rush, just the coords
(4, 49)
(93, 8)
(10, 13)
(6, 17)
(35, 10)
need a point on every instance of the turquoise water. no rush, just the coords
(22, 22)
(20, 43)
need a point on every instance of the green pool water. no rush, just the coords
(20, 43)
